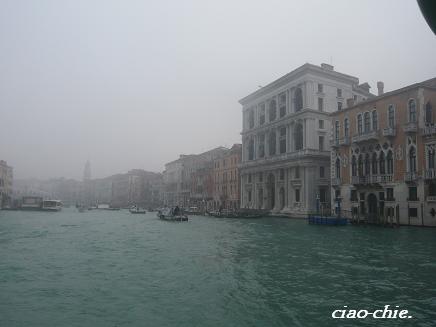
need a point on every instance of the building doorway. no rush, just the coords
(271, 191)
(372, 207)
(282, 198)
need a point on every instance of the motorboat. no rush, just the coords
(171, 214)
(136, 210)
(51, 205)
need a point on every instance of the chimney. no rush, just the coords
(327, 67)
(380, 86)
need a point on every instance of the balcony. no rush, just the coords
(371, 179)
(410, 177)
(365, 137)
(390, 200)
(359, 180)
(345, 140)
(431, 198)
(412, 199)
(430, 174)
(389, 132)
(411, 127)
(429, 130)
(334, 143)
(336, 181)
(382, 179)
(296, 182)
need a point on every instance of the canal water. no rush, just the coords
(112, 268)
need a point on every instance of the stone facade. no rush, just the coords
(383, 157)
(6, 178)
(188, 180)
(285, 148)
(226, 193)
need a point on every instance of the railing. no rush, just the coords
(431, 198)
(410, 176)
(372, 179)
(334, 143)
(385, 178)
(365, 136)
(390, 200)
(336, 181)
(344, 141)
(429, 130)
(389, 131)
(430, 174)
(411, 127)
(413, 199)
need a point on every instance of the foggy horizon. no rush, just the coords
(133, 87)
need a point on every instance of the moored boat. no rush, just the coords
(137, 210)
(171, 214)
(51, 205)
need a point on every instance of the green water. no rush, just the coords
(116, 269)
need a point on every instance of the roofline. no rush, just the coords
(388, 94)
(293, 74)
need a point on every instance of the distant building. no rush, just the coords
(6, 180)
(226, 179)
(383, 156)
(285, 149)
(187, 180)
(136, 187)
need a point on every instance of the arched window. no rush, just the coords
(367, 165)
(337, 130)
(346, 127)
(390, 163)
(374, 163)
(374, 120)
(431, 156)
(272, 111)
(367, 122)
(382, 163)
(251, 149)
(412, 110)
(391, 116)
(412, 160)
(359, 124)
(298, 137)
(298, 99)
(360, 165)
(353, 166)
(272, 143)
(338, 168)
(428, 114)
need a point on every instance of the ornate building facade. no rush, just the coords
(226, 179)
(383, 157)
(285, 149)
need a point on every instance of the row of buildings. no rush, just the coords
(313, 140)
(316, 139)
(207, 181)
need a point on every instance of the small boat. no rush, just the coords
(51, 205)
(193, 211)
(168, 214)
(136, 210)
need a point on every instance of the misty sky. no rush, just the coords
(133, 84)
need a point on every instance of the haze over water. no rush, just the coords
(105, 269)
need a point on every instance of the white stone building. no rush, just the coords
(285, 137)
(5, 184)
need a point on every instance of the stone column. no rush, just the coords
(304, 133)
(310, 187)
(288, 145)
